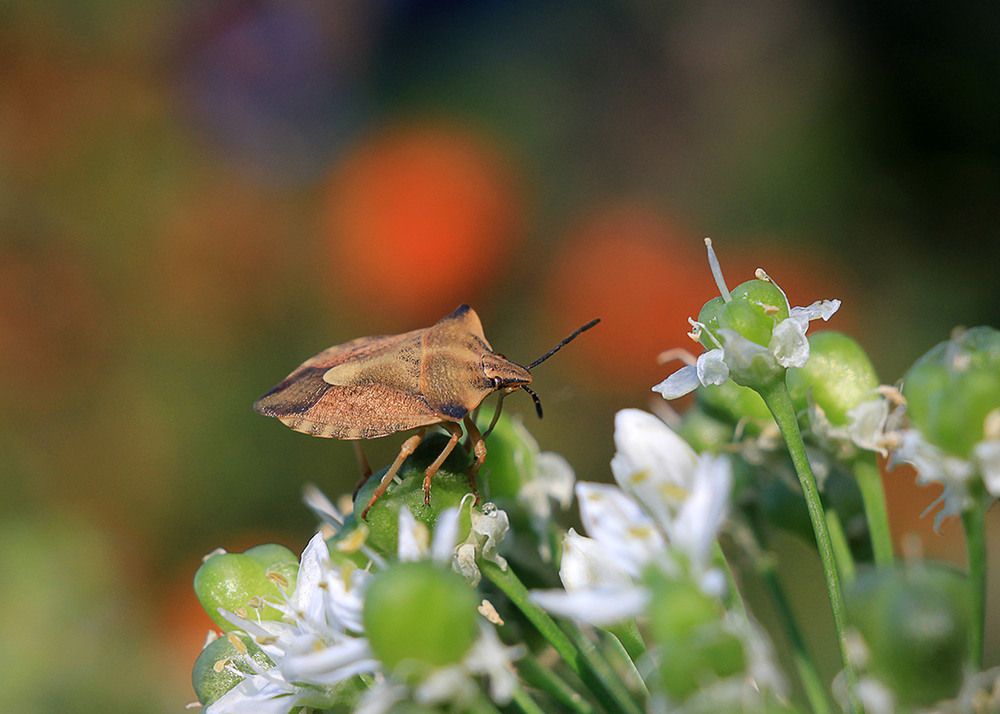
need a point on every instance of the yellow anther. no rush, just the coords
(277, 578)
(237, 643)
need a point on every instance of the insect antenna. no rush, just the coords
(538, 403)
(555, 349)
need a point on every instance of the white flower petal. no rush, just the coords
(619, 524)
(650, 455)
(866, 424)
(821, 309)
(490, 525)
(258, 694)
(988, 455)
(445, 535)
(697, 524)
(750, 361)
(712, 368)
(555, 472)
(598, 606)
(493, 658)
(309, 661)
(586, 563)
(789, 344)
(307, 597)
(681, 382)
(414, 538)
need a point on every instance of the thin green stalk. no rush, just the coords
(973, 522)
(780, 405)
(734, 600)
(626, 658)
(525, 703)
(628, 636)
(582, 663)
(841, 548)
(865, 467)
(596, 660)
(812, 685)
(545, 679)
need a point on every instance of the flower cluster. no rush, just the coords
(510, 606)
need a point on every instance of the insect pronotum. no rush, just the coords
(376, 386)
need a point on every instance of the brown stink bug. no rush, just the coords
(376, 386)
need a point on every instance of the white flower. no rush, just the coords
(318, 645)
(865, 428)
(753, 363)
(320, 642)
(667, 510)
(935, 466)
(788, 347)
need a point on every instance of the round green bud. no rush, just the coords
(448, 487)
(756, 307)
(418, 615)
(678, 607)
(213, 676)
(243, 582)
(703, 431)
(916, 621)
(693, 645)
(839, 376)
(951, 389)
(731, 402)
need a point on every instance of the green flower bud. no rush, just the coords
(448, 487)
(693, 644)
(838, 375)
(243, 582)
(916, 621)
(951, 389)
(731, 402)
(703, 431)
(213, 676)
(419, 615)
(756, 307)
(511, 460)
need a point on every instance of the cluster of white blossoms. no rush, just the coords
(320, 643)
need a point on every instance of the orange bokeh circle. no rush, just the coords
(628, 265)
(420, 218)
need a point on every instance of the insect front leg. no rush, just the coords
(478, 445)
(456, 433)
(405, 450)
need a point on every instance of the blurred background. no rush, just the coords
(197, 196)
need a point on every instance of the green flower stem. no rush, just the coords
(780, 404)
(734, 600)
(525, 703)
(973, 523)
(600, 666)
(812, 685)
(865, 467)
(583, 663)
(627, 634)
(841, 549)
(545, 679)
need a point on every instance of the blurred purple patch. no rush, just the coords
(277, 86)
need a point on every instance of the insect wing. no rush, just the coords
(361, 389)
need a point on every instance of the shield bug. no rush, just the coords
(376, 386)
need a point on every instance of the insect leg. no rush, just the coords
(479, 449)
(456, 433)
(405, 450)
(366, 469)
